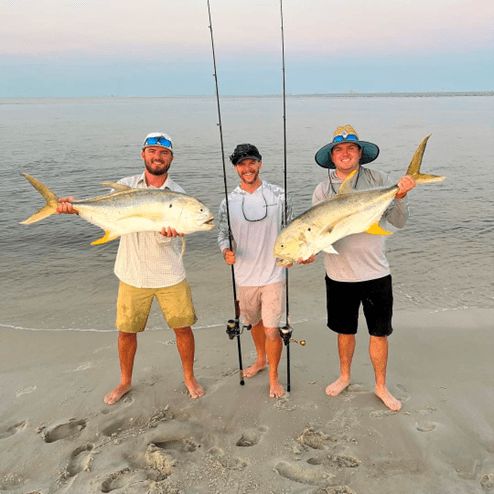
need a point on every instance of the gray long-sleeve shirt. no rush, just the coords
(361, 256)
(254, 240)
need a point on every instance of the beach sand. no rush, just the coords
(57, 435)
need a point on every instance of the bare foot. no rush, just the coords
(388, 399)
(334, 389)
(275, 389)
(113, 396)
(254, 369)
(195, 389)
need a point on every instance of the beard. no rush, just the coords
(251, 180)
(158, 172)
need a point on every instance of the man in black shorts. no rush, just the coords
(360, 274)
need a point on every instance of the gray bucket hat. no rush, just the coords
(346, 133)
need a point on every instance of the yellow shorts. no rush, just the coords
(134, 304)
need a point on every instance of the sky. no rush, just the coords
(101, 48)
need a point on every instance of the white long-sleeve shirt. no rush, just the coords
(255, 264)
(148, 259)
(361, 256)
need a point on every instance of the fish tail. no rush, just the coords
(415, 164)
(50, 198)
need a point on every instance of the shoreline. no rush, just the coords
(463, 316)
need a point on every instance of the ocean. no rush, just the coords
(53, 279)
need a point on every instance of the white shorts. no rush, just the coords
(262, 302)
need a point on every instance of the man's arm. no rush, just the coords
(398, 212)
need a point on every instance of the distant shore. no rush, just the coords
(350, 94)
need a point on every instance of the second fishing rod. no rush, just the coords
(235, 326)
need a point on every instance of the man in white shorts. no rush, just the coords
(256, 213)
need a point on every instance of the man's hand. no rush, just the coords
(405, 184)
(65, 206)
(229, 256)
(170, 232)
(307, 261)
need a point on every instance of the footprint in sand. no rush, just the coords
(403, 394)
(14, 429)
(338, 461)
(160, 461)
(302, 475)
(123, 478)
(62, 430)
(426, 426)
(284, 404)
(487, 481)
(184, 445)
(314, 439)
(251, 437)
(80, 460)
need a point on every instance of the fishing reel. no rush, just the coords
(286, 335)
(235, 327)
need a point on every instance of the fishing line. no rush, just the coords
(234, 326)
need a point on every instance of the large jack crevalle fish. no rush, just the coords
(348, 212)
(128, 210)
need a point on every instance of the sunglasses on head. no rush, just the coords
(349, 137)
(160, 141)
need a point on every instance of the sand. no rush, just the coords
(57, 435)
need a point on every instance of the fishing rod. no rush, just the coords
(234, 327)
(286, 330)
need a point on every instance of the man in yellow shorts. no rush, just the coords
(149, 265)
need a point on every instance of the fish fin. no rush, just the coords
(184, 243)
(50, 198)
(348, 185)
(375, 229)
(330, 250)
(116, 187)
(416, 163)
(107, 237)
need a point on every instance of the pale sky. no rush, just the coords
(77, 48)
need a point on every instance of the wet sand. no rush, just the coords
(57, 435)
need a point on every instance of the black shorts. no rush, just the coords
(343, 302)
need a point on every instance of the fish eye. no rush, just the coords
(282, 245)
(308, 229)
(201, 210)
(171, 205)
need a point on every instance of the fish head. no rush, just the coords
(194, 216)
(294, 242)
